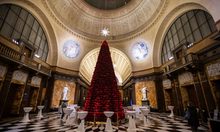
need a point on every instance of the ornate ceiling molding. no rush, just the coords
(85, 22)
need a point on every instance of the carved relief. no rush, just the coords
(166, 83)
(19, 77)
(36, 81)
(185, 78)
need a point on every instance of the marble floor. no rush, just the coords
(52, 123)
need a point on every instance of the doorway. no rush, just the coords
(42, 97)
(192, 97)
(217, 91)
(33, 95)
(14, 99)
(169, 97)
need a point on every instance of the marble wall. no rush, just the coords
(3, 70)
(43, 96)
(15, 98)
(184, 95)
(58, 90)
(213, 69)
(186, 81)
(33, 97)
(167, 89)
(151, 95)
(167, 94)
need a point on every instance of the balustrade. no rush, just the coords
(14, 55)
(184, 61)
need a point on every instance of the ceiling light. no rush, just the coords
(105, 32)
(15, 41)
(36, 55)
(171, 58)
(190, 45)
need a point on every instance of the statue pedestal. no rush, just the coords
(64, 101)
(145, 102)
(63, 104)
(170, 107)
(39, 114)
(108, 126)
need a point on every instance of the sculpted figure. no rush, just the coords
(65, 93)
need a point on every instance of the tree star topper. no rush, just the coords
(105, 32)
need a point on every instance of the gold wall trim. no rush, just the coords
(147, 71)
(65, 71)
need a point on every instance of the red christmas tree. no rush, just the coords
(103, 94)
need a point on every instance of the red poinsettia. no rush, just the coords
(103, 94)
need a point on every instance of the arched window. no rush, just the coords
(190, 28)
(17, 23)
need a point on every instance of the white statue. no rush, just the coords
(65, 93)
(144, 93)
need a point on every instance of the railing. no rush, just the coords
(184, 61)
(29, 62)
(9, 52)
(46, 70)
(14, 55)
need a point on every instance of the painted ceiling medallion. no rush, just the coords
(140, 50)
(71, 49)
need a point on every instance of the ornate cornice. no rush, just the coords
(59, 76)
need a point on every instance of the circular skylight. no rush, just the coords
(71, 49)
(107, 4)
(140, 50)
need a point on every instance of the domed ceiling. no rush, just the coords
(107, 4)
(123, 18)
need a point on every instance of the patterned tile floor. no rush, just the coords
(51, 123)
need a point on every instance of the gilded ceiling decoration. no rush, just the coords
(87, 20)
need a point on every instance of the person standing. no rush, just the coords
(192, 118)
(63, 105)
